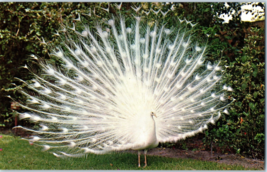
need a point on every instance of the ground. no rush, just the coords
(199, 154)
(197, 150)
(230, 159)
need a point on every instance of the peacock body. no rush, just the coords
(124, 87)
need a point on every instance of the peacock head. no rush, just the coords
(153, 114)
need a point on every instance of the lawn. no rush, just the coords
(19, 154)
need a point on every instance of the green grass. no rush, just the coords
(19, 154)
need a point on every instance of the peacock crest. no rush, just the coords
(126, 85)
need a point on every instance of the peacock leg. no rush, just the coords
(145, 151)
(139, 158)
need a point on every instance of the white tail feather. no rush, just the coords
(130, 89)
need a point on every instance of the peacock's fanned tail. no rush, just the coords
(116, 76)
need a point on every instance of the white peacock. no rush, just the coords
(130, 88)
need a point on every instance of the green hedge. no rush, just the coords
(242, 48)
(24, 26)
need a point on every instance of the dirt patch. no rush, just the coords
(230, 159)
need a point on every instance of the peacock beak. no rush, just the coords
(153, 114)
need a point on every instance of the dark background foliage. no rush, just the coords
(31, 28)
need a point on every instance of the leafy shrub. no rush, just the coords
(242, 50)
(24, 30)
(242, 130)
